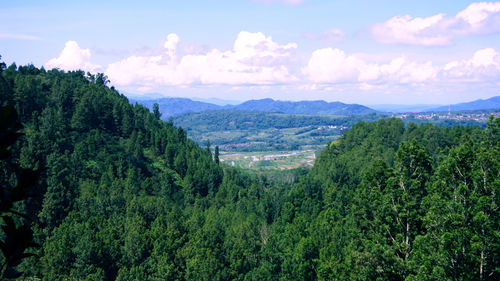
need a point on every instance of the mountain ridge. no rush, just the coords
(490, 103)
(174, 106)
(319, 107)
(170, 107)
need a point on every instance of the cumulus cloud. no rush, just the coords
(171, 45)
(415, 31)
(483, 66)
(333, 65)
(254, 59)
(403, 70)
(72, 57)
(438, 30)
(481, 17)
(257, 61)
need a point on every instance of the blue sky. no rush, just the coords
(369, 52)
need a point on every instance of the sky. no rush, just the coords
(367, 52)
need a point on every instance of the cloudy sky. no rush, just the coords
(369, 52)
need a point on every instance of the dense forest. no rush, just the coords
(122, 195)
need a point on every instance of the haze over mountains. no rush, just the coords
(175, 106)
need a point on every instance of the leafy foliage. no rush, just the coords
(15, 239)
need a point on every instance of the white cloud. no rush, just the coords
(333, 65)
(478, 14)
(171, 44)
(72, 57)
(408, 30)
(438, 30)
(402, 70)
(254, 59)
(483, 66)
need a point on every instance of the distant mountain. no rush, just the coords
(303, 107)
(490, 103)
(175, 106)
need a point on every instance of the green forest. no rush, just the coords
(94, 188)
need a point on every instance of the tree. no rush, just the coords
(156, 110)
(16, 240)
(216, 155)
(404, 194)
(208, 146)
(2, 65)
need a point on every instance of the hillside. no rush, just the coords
(389, 202)
(304, 107)
(122, 195)
(491, 103)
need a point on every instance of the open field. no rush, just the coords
(270, 139)
(269, 160)
(276, 141)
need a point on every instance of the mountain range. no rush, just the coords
(175, 106)
(318, 107)
(480, 104)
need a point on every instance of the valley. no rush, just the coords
(246, 138)
(279, 141)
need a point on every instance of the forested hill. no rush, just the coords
(125, 196)
(176, 106)
(389, 202)
(303, 107)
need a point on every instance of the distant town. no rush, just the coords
(480, 117)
